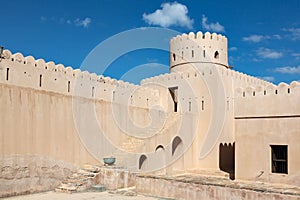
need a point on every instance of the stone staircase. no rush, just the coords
(81, 180)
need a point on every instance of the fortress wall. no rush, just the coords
(241, 79)
(267, 116)
(37, 74)
(39, 118)
(268, 101)
(194, 75)
(193, 88)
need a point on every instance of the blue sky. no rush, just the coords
(263, 35)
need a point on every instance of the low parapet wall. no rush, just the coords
(200, 187)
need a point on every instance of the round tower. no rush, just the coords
(200, 48)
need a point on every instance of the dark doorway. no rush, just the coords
(226, 158)
(174, 93)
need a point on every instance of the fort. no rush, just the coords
(201, 119)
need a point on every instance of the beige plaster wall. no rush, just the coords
(267, 116)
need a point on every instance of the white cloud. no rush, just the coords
(278, 37)
(294, 33)
(297, 55)
(288, 70)
(258, 38)
(215, 27)
(170, 14)
(254, 38)
(267, 78)
(84, 22)
(43, 19)
(77, 22)
(233, 49)
(268, 53)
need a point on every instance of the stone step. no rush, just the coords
(91, 168)
(81, 180)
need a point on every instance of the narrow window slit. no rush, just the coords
(40, 80)
(69, 86)
(7, 73)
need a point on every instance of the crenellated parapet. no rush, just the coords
(269, 90)
(198, 48)
(240, 79)
(270, 100)
(15, 69)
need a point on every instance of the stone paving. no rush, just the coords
(80, 196)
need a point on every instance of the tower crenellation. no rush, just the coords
(37, 74)
(198, 48)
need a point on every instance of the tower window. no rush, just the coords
(174, 57)
(203, 53)
(279, 156)
(192, 53)
(216, 56)
(40, 80)
(93, 91)
(7, 73)
(69, 86)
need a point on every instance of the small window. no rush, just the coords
(174, 57)
(93, 91)
(69, 83)
(192, 53)
(41, 80)
(202, 105)
(279, 156)
(190, 106)
(203, 53)
(216, 55)
(7, 73)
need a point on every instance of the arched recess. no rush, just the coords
(159, 147)
(177, 141)
(142, 160)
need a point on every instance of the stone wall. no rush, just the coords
(23, 174)
(212, 189)
(115, 178)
